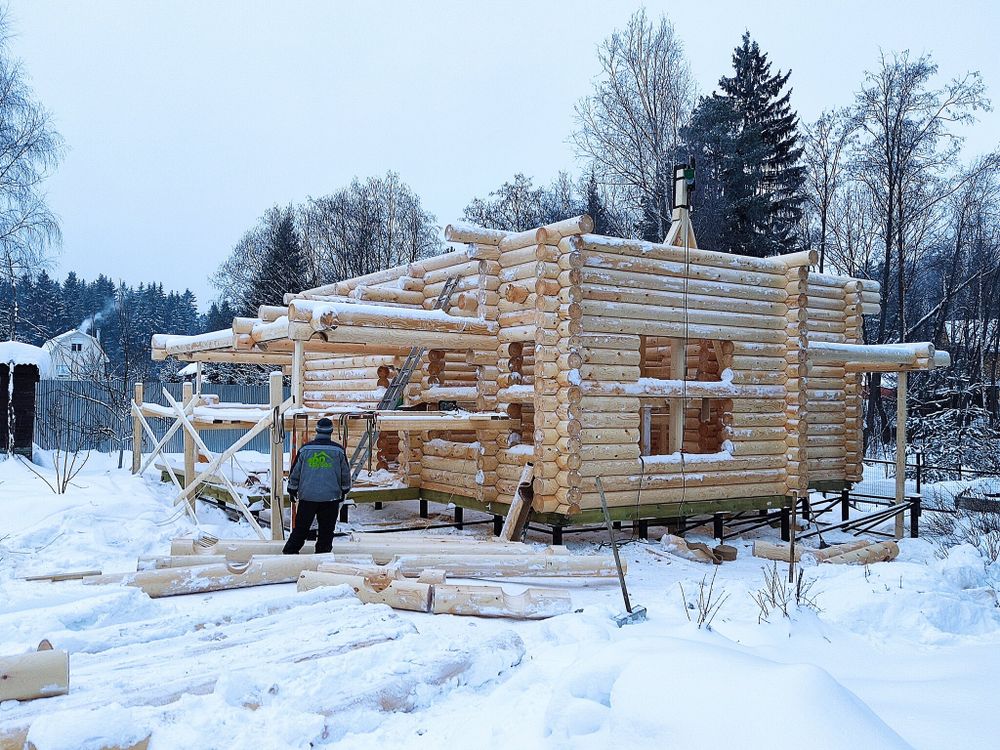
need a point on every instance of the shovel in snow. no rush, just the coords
(630, 615)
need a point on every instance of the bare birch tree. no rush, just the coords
(29, 149)
(628, 129)
(825, 144)
(370, 225)
(908, 138)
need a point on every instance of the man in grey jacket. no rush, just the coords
(320, 480)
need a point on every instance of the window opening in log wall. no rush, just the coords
(524, 430)
(700, 429)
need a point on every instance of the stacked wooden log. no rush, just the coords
(854, 311)
(379, 569)
(487, 373)
(445, 376)
(349, 382)
(796, 402)
(836, 306)
(448, 463)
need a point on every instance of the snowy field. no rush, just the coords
(900, 654)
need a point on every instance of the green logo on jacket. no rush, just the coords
(320, 460)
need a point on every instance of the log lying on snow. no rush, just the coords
(192, 561)
(463, 564)
(37, 674)
(377, 545)
(398, 594)
(477, 601)
(502, 566)
(205, 578)
(873, 553)
(697, 551)
(392, 571)
(849, 552)
(492, 601)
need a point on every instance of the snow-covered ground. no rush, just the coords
(901, 654)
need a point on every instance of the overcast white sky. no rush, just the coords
(184, 121)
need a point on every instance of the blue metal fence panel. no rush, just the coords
(95, 416)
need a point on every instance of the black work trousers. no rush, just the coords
(326, 513)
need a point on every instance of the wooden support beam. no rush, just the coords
(678, 372)
(520, 507)
(136, 429)
(218, 460)
(900, 450)
(298, 371)
(190, 453)
(277, 434)
(137, 414)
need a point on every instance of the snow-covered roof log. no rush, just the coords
(277, 329)
(879, 357)
(462, 231)
(164, 345)
(331, 314)
(777, 265)
(389, 274)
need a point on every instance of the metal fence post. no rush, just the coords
(915, 516)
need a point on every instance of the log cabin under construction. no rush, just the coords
(690, 381)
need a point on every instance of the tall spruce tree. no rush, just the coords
(595, 206)
(763, 106)
(284, 266)
(728, 165)
(751, 184)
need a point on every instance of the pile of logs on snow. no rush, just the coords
(406, 573)
(861, 552)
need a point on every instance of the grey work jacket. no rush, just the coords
(320, 472)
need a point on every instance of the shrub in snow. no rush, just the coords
(708, 604)
(979, 529)
(955, 437)
(779, 595)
